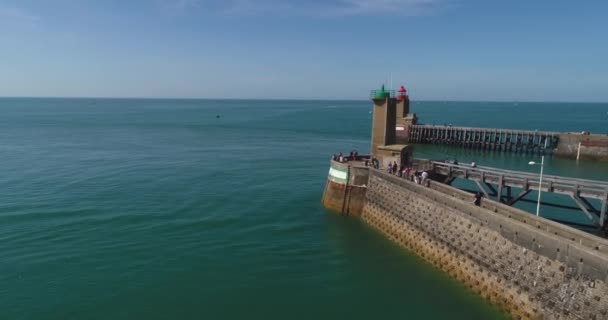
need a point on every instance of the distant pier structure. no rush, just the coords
(394, 125)
(503, 140)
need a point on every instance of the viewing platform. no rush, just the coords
(496, 180)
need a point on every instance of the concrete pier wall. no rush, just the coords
(534, 269)
(583, 238)
(345, 188)
(592, 147)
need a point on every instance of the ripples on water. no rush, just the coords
(156, 209)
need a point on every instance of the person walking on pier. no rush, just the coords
(375, 163)
(417, 177)
(395, 168)
(477, 200)
(423, 177)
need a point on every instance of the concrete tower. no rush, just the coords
(391, 122)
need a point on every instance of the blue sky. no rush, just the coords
(335, 49)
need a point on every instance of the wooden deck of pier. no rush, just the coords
(503, 140)
(579, 190)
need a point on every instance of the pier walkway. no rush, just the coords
(504, 140)
(494, 179)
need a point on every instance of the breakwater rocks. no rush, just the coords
(534, 269)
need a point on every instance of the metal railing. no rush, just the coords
(506, 131)
(526, 180)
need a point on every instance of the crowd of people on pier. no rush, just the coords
(405, 172)
(342, 158)
(421, 177)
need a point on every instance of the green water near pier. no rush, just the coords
(157, 209)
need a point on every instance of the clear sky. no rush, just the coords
(514, 50)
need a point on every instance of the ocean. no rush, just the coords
(210, 209)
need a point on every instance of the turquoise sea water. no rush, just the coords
(157, 209)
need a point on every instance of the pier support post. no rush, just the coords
(499, 192)
(589, 205)
(482, 189)
(518, 197)
(581, 205)
(603, 211)
(491, 187)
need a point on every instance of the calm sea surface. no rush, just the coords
(157, 209)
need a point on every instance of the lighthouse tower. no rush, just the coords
(391, 124)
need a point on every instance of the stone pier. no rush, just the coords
(531, 267)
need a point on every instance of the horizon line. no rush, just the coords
(293, 99)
